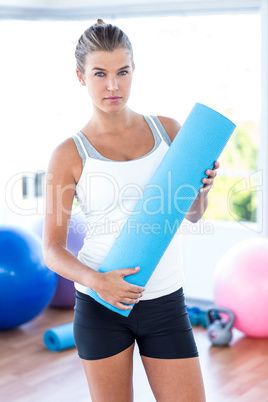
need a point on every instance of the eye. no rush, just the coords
(124, 72)
(99, 74)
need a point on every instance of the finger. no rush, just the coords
(123, 306)
(129, 271)
(213, 173)
(134, 296)
(207, 180)
(128, 300)
(210, 173)
(205, 189)
(215, 166)
(136, 289)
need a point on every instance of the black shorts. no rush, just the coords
(161, 328)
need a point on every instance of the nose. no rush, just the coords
(112, 84)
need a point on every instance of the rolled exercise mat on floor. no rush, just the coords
(197, 146)
(59, 338)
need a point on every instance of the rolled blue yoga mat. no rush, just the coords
(59, 338)
(177, 181)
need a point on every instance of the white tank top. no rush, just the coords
(107, 192)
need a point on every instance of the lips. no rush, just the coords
(113, 99)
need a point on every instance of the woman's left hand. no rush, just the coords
(208, 181)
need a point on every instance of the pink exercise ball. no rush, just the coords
(241, 285)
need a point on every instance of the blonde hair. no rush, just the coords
(100, 37)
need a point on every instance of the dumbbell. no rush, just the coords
(197, 316)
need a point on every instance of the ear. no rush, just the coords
(80, 77)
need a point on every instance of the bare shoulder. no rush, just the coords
(171, 126)
(65, 160)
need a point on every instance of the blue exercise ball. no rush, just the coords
(26, 284)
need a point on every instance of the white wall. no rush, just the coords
(92, 3)
(133, 6)
(202, 250)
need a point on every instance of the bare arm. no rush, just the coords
(63, 172)
(60, 190)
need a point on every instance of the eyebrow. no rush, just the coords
(102, 69)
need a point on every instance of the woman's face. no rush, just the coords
(108, 78)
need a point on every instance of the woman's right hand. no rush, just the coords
(112, 288)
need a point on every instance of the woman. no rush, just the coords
(106, 166)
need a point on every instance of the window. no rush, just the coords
(197, 58)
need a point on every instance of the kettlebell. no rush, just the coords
(220, 327)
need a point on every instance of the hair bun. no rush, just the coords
(100, 22)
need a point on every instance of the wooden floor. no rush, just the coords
(31, 373)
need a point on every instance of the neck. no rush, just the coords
(112, 122)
